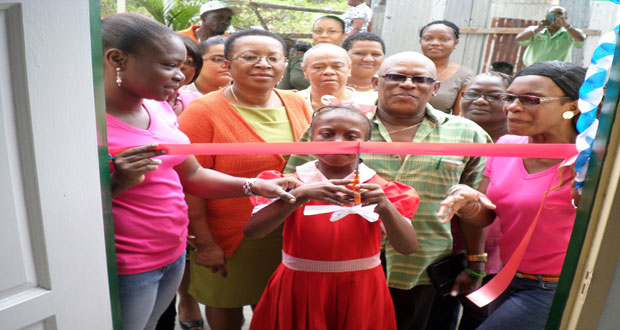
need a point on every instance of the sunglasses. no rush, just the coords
(401, 78)
(529, 99)
(487, 97)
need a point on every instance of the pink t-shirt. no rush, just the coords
(150, 219)
(518, 195)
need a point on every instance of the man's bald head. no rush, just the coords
(412, 58)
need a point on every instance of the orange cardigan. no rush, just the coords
(210, 118)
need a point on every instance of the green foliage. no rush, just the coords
(285, 21)
(177, 14)
(180, 14)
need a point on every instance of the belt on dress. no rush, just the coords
(537, 277)
(320, 266)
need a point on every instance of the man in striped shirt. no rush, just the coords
(405, 83)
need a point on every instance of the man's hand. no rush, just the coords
(465, 283)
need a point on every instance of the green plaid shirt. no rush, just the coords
(431, 176)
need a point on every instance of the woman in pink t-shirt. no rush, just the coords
(541, 107)
(143, 60)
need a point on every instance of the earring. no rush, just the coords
(119, 81)
(568, 114)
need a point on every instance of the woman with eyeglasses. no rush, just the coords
(438, 40)
(214, 74)
(541, 106)
(227, 270)
(481, 102)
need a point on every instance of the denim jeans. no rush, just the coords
(524, 305)
(145, 296)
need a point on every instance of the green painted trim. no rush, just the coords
(586, 203)
(104, 167)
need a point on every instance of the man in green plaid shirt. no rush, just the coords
(405, 84)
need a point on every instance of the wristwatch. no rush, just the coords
(484, 257)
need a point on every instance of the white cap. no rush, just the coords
(218, 4)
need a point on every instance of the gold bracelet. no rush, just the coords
(484, 257)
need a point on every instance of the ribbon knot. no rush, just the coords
(367, 212)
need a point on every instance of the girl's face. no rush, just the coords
(214, 70)
(366, 58)
(263, 73)
(328, 30)
(155, 72)
(438, 41)
(338, 127)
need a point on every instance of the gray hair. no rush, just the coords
(326, 47)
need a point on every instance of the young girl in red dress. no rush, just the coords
(331, 276)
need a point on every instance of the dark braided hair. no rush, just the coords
(345, 111)
(449, 24)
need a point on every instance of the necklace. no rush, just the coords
(232, 91)
(404, 129)
(443, 71)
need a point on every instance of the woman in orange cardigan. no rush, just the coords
(229, 271)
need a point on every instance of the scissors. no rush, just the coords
(356, 180)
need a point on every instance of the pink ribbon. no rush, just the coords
(480, 297)
(543, 150)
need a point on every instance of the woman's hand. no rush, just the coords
(465, 199)
(131, 165)
(332, 191)
(277, 188)
(211, 256)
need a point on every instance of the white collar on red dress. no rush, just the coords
(309, 173)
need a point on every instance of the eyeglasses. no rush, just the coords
(529, 99)
(487, 97)
(401, 78)
(329, 32)
(217, 59)
(253, 59)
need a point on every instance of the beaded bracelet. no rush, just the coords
(475, 274)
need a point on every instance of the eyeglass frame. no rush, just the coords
(483, 95)
(532, 100)
(433, 80)
(329, 32)
(281, 59)
(210, 58)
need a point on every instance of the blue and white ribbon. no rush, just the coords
(590, 96)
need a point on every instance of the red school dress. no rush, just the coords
(331, 276)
